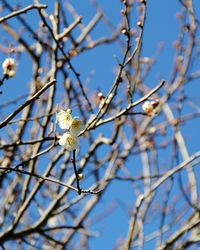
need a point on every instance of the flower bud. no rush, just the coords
(150, 106)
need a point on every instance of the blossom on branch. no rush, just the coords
(64, 118)
(150, 107)
(76, 126)
(69, 141)
(73, 126)
(9, 67)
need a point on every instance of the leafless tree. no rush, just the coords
(136, 139)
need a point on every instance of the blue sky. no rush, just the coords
(161, 27)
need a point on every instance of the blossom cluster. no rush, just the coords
(73, 127)
(9, 67)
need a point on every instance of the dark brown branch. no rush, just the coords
(76, 172)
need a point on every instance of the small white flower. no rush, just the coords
(9, 67)
(69, 141)
(76, 126)
(150, 107)
(147, 107)
(64, 118)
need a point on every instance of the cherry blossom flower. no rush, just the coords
(73, 126)
(76, 126)
(64, 118)
(150, 106)
(9, 67)
(69, 141)
(147, 107)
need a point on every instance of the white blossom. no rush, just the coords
(69, 141)
(64, 118)
(73, 127)
(9, 67)
(147, 107)
(76, 126)
(150, 107)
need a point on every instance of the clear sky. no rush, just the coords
(99, 66)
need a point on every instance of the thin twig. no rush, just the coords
(18, 12)
(76, 172)
(28, 102)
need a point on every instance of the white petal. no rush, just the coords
(147, 106)
(64, 119)
(62, 140)
(11, 73)
(9, 65)
(76, 126)
(70, 141)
